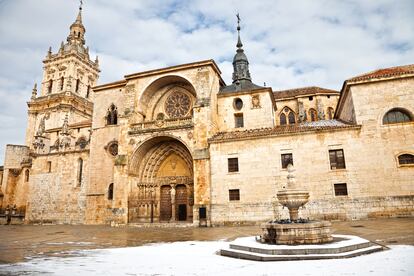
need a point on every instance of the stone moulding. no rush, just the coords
(274, 132)
(163, 125)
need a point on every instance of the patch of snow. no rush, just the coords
(200, 258)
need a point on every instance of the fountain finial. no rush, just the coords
(291, 181)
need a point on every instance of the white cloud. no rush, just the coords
(288, 43)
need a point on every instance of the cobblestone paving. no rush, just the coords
(20, 241)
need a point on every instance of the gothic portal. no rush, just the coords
(162, 182)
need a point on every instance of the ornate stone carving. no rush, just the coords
(302, 112)
(321, 112)
(41, 128)
(256, 101)
(177, 105)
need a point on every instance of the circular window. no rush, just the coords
(113, 149)
(238, 104)
(177, 104)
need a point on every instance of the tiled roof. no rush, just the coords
(312, 90)
(385, 72)
(324, 125)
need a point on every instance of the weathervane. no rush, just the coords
(239, 43)
(81, 3)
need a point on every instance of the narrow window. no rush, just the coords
(88, 89)
(238, 118)
(406, 159)
(340, 189)
(291, 118)
(111, 191)
(234, 194)
(396, 115)
(62, 81)
(233, 164)
(49, 89)
(77, 85)
(282, 119)
(112, 115)
(287, 159)
(80, 171)
(310, 98)
(312, 113)
(49, 166)
(26, 176)
(337, 159)
(330, 113)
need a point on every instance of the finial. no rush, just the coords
(264, 84)
(96, 60)
(34, 91)
(80, 5)
(49, 52)
(239, 43)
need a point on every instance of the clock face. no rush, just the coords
(177, 104)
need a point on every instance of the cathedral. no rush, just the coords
(180, 145)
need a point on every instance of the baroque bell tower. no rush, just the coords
(65, 95)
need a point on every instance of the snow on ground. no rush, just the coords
(200, 258)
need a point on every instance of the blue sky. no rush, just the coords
(289, 43)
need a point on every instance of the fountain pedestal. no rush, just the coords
(295, 230)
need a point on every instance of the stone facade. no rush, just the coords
(178, 144)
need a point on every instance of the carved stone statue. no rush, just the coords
(65, 127)
(321, 112)
(302, 112)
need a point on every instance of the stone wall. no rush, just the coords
(58, 196)
(260, 174)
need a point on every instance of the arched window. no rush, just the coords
(406, 159)
(26, 175)
(49, 89)
(62, 81)
(312, 115)
(282, 119)
(111, 191)
(330, 113)
(80, 171)
(77, 85)
(287, 116)
(112, 115)
(88, 90)
(291, 118)
(397, 115)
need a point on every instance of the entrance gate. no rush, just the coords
(165, 203)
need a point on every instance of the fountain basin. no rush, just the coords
(312, 232)
(293, 199)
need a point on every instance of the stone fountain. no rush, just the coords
(295, 230)
(296, 238)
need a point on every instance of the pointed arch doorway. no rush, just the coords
(162, 182)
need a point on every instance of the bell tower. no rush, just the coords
(65, 92)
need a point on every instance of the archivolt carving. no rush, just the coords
(147, 160)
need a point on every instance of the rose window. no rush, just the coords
(177, 105)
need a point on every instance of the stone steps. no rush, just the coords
(347, 248)
(265, 257)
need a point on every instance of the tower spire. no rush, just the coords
(240, 62)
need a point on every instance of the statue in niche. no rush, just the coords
(321, 112)
(302, 112)
(65, 126)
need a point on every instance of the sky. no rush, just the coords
(289, 44)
